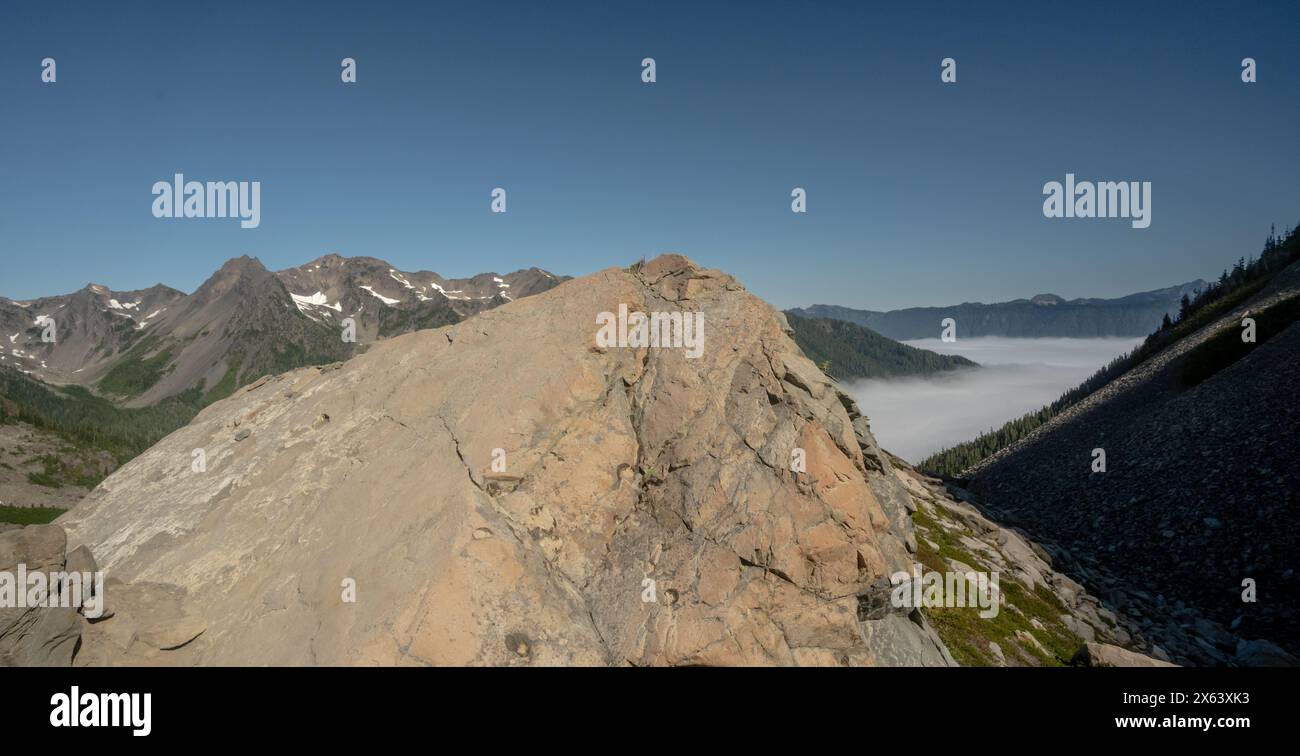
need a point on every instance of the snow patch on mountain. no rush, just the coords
(382, 298)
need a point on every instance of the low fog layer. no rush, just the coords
(915, 417)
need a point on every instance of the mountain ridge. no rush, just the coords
(99, 329)
(1041, 316)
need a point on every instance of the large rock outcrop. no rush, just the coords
(374, 480)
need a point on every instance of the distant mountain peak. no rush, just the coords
(1046, 299)
(243, 262)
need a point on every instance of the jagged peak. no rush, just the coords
(243, 262)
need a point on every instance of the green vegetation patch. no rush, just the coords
(90, 421)
(1226, 347)
(399, 320)
(28, 515)
(226, 386)
(73, 470)
(136, 373)
(967, 635)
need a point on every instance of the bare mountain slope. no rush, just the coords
(92, 327)
(1199, 493)
(241, 319)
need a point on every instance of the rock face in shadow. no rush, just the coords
(642, 508)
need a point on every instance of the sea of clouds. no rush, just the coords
(915, 417)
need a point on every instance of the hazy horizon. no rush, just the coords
(915, 417)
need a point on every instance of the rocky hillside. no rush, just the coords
(91, 327)
(1046, 618)
(590, 505)
(235, 327)
(1044, 315)
(1197, 501)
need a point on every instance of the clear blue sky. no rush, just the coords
(919, 192)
